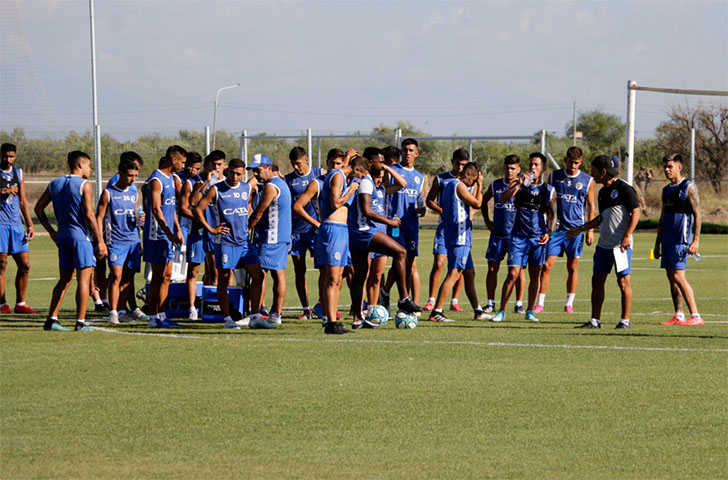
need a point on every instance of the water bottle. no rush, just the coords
(139, 212)
(697, 257)
(529, 180)
(420, 204)
(395, 230)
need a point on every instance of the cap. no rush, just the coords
(258, 160)
(603, 161)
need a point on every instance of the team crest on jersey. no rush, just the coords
(579, 185)
(417, 180)
(337, 255)
(465, 259)
(245, 195)
(613, 194)
(534, 193)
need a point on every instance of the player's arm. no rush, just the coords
(87, 195)
(299, 206)
(155, 204)
(472, 199)
(487, 195)
(551, 215)
(269, 193)
(178, 229)
(101, 209)
(421, 195)
(25, 210)
(177, 185)
(398, 181)
(694, 199)
(199, 214)
(431, 199)
(43, 201)
(513, 188)
(365, 204)
(184, 201)
(197, 190)
(337, 199)
(633, 205)
(590, 211)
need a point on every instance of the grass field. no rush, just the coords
(462, 400)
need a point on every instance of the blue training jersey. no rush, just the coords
(66, 195)
(185, 177)
(325, 193)
(379, 205)
(275, 225)
(152, 230)
(441, 178)
(10, 204)
(232, 207)
(115, 178)
(677, 220)
(570, 197)
(458, 227)
(404, 202)
(531, 203)
(297, 185)
(356, 219)
(504, 213)
(119, 222)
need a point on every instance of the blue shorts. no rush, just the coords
(604, 260)
(158, 251)
(208, 242)
(674, 257)
(274, 256)
(195, 253)
(13, 239)
(127, 256)
(302, 242)
(235, 256)
(460, 257)
(525, 251)
(74, 253)
(185, 232)
(497, 248)
(438, 245)
(559, 244)
(332, 246)
(408, 239)
(359, 240)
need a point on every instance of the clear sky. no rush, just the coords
(478, 68)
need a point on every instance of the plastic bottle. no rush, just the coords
(420, 204)
(697, 257)
(529, 180)
(139, 212)
(395, 230)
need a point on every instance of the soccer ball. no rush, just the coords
(405, 320)
(377, 315)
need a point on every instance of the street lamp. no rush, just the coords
(214, 118)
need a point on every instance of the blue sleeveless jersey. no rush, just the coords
(66, 194)
(404, 202)
(184, 177)
(531, 204)
(441, 178)
(115, 178)
(297, 185)
(275, 225)
(119, 223)
(379, 206)
(677, 221)
(356, 219)
(325, 193)
(504, 213)
(10, 204)
(570, 197)
(231, 206)
(152, 230)
(455, 216)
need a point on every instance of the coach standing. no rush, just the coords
(618, 216)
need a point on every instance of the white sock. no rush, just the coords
(694, 315)
(625, 321)
(454, 301)
(19, 304)
(594, 321)
(431, 300)
(98, 302)
(228, 319)
(193, 309)
(491, 302)
(113, 312)
(519, 303)
(82, 322)
(569, 299)
(541, 299)
(478, 308)
(438, 310)
(162, 315)
(680, 316)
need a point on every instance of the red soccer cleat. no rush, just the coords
(455, 307)
(692, 322)
(538, 309)
(5, 309)
(567, 309)
(428, 307)
(673, 321)
(23, 309)
(338, 316)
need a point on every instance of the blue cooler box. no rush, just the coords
(178, 306)
(211, 308)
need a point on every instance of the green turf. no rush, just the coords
(462, 400)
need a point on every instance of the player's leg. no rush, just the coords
(534, 276)
(491, 283)
(223, 279)
(675, 292)
(597, 295)
(513, 273)
(22, 260)
(445, 290)
(455, 300)
(279, 290)
(468, 279)
(544, 282)
(332, 286)
(374, 280)
(438, 263)
(101, 283)
(383, 243)
(299, 270)
(521, 286)
(415, 282)
(193, 272)
(360, 263)
(83, 282)
(114, 285)
(625, 286)
(256, 279)
(3, 267)
(572, 279)
(59, 291)
(680, 280)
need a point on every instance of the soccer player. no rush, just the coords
(535, 219)
(619, 212)
(456, 200)
(365, 237)
(14, 239)
(162, 232)
(304, 233)
(232, 245)
(459, 158)
(72, 198)
(115, 216)
(407, 205)
(191, 230)
(678, 235)
(272, 221)
(500, 232)
(574, 205)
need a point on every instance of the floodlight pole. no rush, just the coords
(214, 116)
(95, 127)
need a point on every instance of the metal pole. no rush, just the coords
(244, 150)
(692, 154)
(574, 122)
(543, 142)
(470, 149)
(207, 140)
(97, 162)
(309, 141)
(631, 99)
(318, 150)
(214, 115)
(398, 136)
(94, 126)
